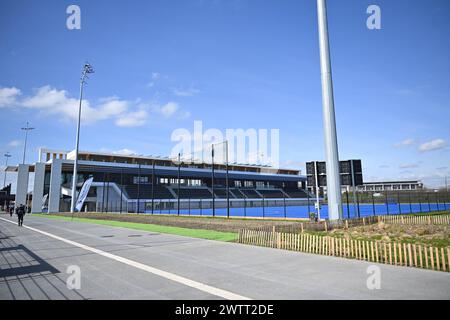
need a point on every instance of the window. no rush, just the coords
(260, 184)
(142, 180)
(248, 184)
(194, 182)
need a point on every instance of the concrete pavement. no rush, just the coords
(33, 266)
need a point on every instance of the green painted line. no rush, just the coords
(193, 233)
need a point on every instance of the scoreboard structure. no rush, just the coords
(350, 173)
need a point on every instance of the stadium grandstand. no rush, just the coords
(129, 183)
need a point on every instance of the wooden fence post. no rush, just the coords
(360, 256)
(395, 253)
(448, 258)
(351, 248)
(420, 256)
(400, 255)
(364, 250)
(432, 258)
(376, 251)
(405, 253)
(410, 255)
(438, 264)
(371, 250)
(390, 253)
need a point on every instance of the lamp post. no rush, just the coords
(331, 146)
(178, 183)
(225, 142)
(26, 129)
(7, 155)
(87, 69)
(226, 181)
(212, 182)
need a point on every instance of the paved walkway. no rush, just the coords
(118, 263)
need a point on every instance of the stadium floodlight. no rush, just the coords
(7, 156)
(26, 129)
(87, 69)
(331, 146)
(225, 143)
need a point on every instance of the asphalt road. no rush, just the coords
(119, 263)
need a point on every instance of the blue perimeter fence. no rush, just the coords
(366, 205)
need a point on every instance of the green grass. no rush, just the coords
(194, 233)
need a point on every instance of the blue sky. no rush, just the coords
(160, 65)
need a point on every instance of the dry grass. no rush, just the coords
(435, 235)
(205, 223)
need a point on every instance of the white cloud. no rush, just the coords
(405, 143)
(132, 119)
(113, 107)
(171, 110)
(125, 152)
(186, 92)
(8, 96)
(53, 101)
(156, 75)
(14, 143)
(124, 113)
(432, 145)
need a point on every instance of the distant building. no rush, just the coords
(391, 186)
(5, 196)
(131, 182)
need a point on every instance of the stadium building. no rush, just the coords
(134, 183)
(392, 186)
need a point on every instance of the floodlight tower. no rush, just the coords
(87, 69)
(26, 129)
(331, 146)
(7, 156)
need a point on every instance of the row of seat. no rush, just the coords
(145, 191)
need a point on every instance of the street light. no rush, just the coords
(7, 155)
(26, 129)
(87, 69)
(329, 118)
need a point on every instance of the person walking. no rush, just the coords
(20, 211)
(11, 210)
